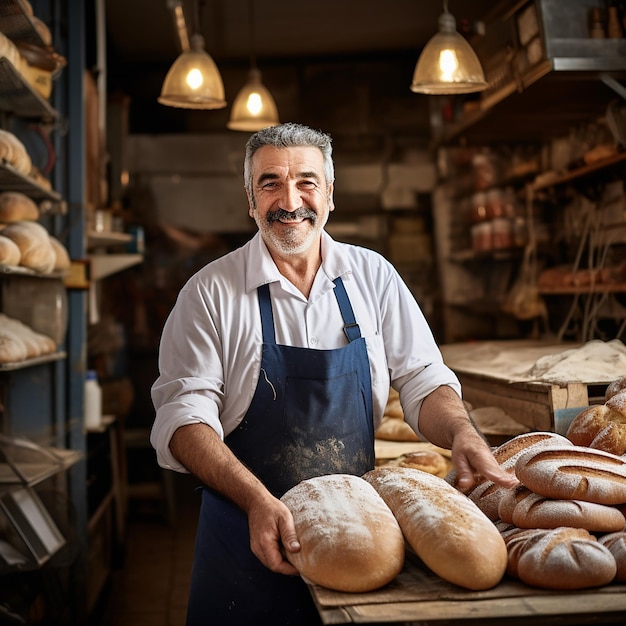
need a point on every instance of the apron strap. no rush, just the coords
(267, 315)
(350, 328)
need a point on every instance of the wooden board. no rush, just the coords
(418, 597)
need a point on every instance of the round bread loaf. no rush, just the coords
(574, 473)
(34, 243)
(10, 254)
(16, 206)
(616, 543)
(615, 387)
(444, 528)
(394, 429)
(350, 540)
(427, 461)
(601, 426)
(62, 256)
(563, 558)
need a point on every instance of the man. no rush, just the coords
(275, 366)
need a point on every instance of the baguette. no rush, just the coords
(350, 540)
(574, 473)
(447, 531)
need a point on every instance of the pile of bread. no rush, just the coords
(24, 242)
(563, 527)
(19, 342)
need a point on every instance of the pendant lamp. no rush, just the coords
(193, 81)
(448, 64)
(253, 108)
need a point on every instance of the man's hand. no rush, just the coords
(272, 529)
(474, 461)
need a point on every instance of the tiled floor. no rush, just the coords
(150, 585)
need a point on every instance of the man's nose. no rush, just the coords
(290, 200)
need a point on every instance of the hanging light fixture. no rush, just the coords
(448, 64)
(253, 108)
(193, 81)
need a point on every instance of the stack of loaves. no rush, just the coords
(24, 241)
(564, 525)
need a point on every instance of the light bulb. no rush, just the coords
(448, 64)
(254, 103)
(194, 78)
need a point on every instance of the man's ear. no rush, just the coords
(331, 200)
(250, 204)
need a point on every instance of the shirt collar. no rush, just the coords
(261, 268)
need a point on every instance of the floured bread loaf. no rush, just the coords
(36, 344)
(394, 429)
(616, 543)
(445, 529)
(350, 540)
(16, 206)
(12, 348)
(424, 460)
(487, 494)
(560, 558)
(10, 254)
(526, 509)
(34, 243)
(601, 426)
(574, 473)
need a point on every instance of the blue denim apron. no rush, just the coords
(311, 414)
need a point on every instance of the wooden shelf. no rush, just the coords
(97, 239)
(103, 265)
(38, 360)
(580, 172)
(577, 290)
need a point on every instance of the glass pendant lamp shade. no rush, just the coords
(193, 82)
(253, 108)
(448, 64)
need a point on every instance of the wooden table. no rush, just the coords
(417, 597)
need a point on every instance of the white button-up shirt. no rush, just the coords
(210, 351)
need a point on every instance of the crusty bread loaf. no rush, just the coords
(394, 429)
(444, 528)
(560, 558)
(16, 206)
(486, 494)
(34, 243)
(615, 387)
(350, 540)
(10, 254)
(62, 256)
(574, 473)
(616, 543)
(526, 509)
(36, 343)
(12, 348)
(601, 426)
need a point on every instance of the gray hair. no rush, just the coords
(287, 136)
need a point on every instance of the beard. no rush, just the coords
(291, 241)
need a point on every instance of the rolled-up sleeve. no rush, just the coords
(190, 385)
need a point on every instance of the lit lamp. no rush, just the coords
(253, 108)
(448, 64)
(193, 82)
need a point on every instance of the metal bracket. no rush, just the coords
(613, 84)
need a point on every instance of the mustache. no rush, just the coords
(298, 214)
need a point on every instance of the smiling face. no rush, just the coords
(292, 199)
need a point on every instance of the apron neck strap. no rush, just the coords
(350, 328)
(267, 315)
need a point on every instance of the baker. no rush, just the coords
(275, 365)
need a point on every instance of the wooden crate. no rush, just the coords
(538, 405)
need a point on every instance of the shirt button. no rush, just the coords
(314, 341)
